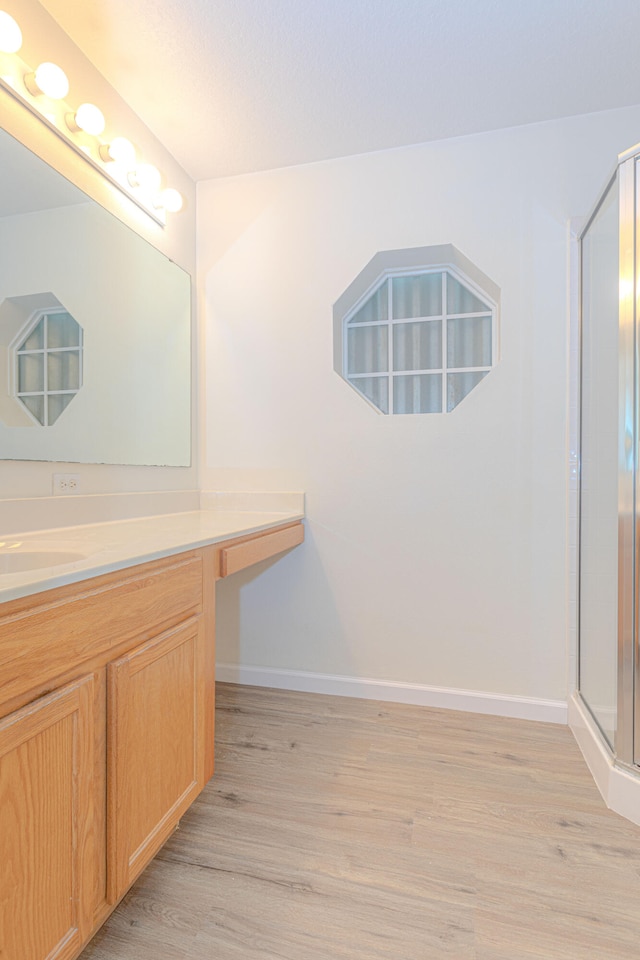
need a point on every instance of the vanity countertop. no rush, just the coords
(104, 547)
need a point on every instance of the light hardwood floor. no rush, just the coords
(358, 830)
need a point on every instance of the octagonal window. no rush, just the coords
(48, 364)
(418, 340)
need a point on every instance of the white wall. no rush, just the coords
(45, 40)
(436, 545)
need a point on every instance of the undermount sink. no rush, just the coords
(17, 561)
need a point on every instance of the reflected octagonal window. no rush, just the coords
(48, 364)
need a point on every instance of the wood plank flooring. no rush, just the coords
(358, 830)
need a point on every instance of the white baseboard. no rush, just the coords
(471, 701)
(620, 788)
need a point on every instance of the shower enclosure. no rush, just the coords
(609, 586)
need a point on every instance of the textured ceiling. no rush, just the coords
(233, 86)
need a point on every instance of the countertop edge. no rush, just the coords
(144, 547)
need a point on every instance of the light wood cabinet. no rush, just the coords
(156, 736)
(103, 694)
(106, 735)
(46, 800)
(246, 551)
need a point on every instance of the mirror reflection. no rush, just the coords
(95, 324)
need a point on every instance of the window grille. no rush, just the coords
(48, 365)
(418, 339)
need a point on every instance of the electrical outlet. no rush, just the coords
(66, 484)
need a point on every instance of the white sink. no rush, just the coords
(19, 560)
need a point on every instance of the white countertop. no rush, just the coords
(104, 547)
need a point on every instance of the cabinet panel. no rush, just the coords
(46, 842)
(155, 748)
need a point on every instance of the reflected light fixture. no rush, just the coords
(120, 150)
(10, 34)
(49, 79)
(88, 118)
(626, 288)
(146, 176)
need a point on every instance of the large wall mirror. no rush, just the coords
(95, 328)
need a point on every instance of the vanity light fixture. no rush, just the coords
(146, 176)
(49, 79)
(120, 150)
(115, 160)
(88, 118)
(10, 34)
(170, 200)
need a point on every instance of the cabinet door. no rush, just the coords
(46, 843)
(155, 747)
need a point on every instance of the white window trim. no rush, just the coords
(387, 275)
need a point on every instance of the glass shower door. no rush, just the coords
(601, 383)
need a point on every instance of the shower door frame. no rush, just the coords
(628, 569)
(627, 732)
(632, 276)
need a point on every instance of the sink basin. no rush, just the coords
(17, 561)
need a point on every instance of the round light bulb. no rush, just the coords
(121, 151)
(48, 79)
(90, 119)
(171, 200)
(10, 34)
(146, 176)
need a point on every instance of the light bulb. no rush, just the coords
(48, 79)
(171, 200)
(120, 150)
(88, 118)
(10, 34)
(146, 176)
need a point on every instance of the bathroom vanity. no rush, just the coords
(107, 672)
